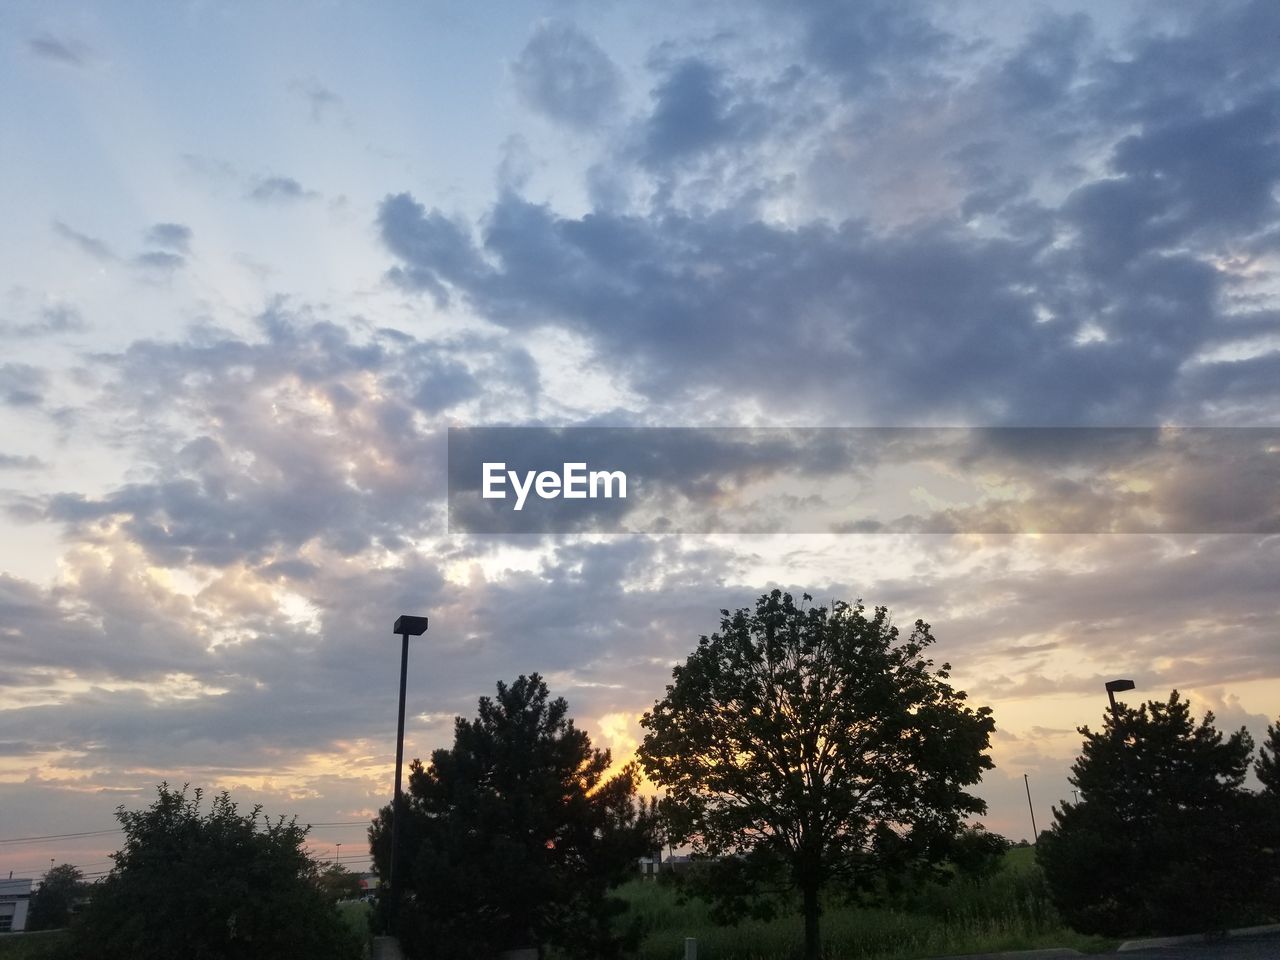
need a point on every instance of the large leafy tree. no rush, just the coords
(514, 835)
(1163, 837)
(803, 745)
(210, 884)
(52, 904)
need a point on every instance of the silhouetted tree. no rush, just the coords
(338, 883)
(1268, 770)
(205, 884)
(52, 904)
(1268, 765)
(515, 835)
(803, 747)
(977, 853)
(1162, 839)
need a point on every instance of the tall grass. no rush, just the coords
(1008, 911)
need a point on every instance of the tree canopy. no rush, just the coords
(205, 883)
(1163, 838)
(514, 835)
(54, 901)
(807, 745)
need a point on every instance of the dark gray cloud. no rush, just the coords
(175, 237)
(320, 99)
(90, 246)
(1077, 284)
(696, 109)
(11, 461)
(159, 261)
(48, 47)
(563, 73)
(828, 318)
(278, 189)
(22, 385)
(51, 320)
(871, 45)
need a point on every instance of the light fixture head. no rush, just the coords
(413, 626)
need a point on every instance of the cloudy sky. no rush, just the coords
(257, 259)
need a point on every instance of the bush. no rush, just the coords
(210, 884)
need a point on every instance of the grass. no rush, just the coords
(1009, 911)
(31, 946)
(356, 914)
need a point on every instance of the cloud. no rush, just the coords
(51, 320)
(90, 246)
(48, 47)
(224, 485)
(175, 237)
(9, 461)
(980, 277)
(695, 110)
(320, 99)
(563, 74)
(22, 385)
(159, 261)
(279, 189)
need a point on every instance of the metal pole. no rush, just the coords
(1112, 697)
(1026, 780)
(396, 802)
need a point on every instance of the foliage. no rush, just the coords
(1163, 837)
(1268, 765)
(804, 747)
(203, 884)
(514, 836)
(55, 900)
(339, 883)
(44, 945)
(1009, 910)
(976, 853)
(1268, 804)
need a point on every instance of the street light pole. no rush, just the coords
(1114, 687)
(407, 626)
(1035, 835)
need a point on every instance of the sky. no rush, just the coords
(258, 259)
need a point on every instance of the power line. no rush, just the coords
(103, 833)
(63, 836)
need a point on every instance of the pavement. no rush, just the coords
(1252, 943)
(1238, 946)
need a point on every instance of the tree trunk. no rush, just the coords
(812, 941)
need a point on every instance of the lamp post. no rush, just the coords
(339, 854)
(1026, 781)
(1114, 687)
(407, 626)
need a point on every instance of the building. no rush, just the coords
(15, 898)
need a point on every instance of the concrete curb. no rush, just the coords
(1153, 942)
(1044, 953)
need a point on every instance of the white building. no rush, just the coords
(15, 897)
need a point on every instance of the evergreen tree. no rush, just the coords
(515, 835)
(1162, 838)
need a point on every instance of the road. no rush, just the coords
(1263, 947)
